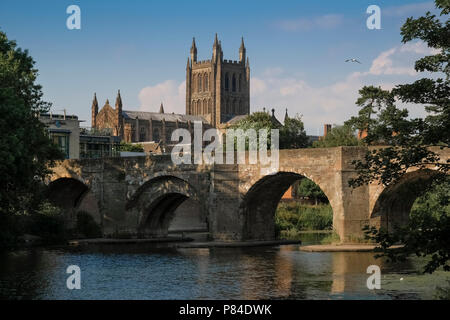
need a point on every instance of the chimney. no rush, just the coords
(362, 134)
(326, 129)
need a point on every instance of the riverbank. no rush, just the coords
(341, 248)
(224, 244)
(127, 241)
(184, 242)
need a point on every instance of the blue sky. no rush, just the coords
(297, 51)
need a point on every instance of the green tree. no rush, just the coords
(257, 121)
(408, 140)
(293, 134)
(307, 188)
(338, 136)
(26, 152)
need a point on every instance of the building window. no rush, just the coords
(142, 134)
(62, 141)
(240, 82)
(156, 135)
(199, 84)
(234, 83)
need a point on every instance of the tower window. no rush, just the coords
(227, 82)
(199, 83)
(205, 83)
(240, 82)
(234, 83)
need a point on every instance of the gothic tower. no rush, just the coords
(217, 89)
(94, 110)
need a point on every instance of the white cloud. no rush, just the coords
(383, 64)
(328, 21)
(171, 93)
(399, 60)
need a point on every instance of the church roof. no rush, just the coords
(169, 117)
(236, 119)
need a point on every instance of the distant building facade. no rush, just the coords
(98, 144)
(76, 142)
(64, 131)
(141, 126)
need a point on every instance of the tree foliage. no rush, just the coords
(307, 188)
(407, 141)
(292, 134)
(26, 151)
(338, 136)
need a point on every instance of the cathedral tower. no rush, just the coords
(217, 89)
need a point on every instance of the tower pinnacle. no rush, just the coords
(193, 51)
(119, 100)
(242, 51)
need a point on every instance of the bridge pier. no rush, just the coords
(225, 220)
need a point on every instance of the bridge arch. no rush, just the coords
(260, 202)
(394, 203)
(66, 192)
(157, 201)
(73, 195)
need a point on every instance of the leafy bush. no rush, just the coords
(47, 222)
(294, 216)
(125, 146)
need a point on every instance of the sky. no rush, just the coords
(297, 51)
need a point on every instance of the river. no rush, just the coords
(149, 272)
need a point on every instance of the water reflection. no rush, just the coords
(149, 272)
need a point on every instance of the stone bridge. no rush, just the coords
(139, 196)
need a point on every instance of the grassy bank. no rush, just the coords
(292, 218)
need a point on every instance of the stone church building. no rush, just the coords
(217, 93)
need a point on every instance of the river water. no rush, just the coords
(149, 272)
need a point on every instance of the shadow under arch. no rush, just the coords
(157, 201)
(394, 203)
(66, 192)
(260, 203)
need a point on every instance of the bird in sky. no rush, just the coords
(352, 60)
